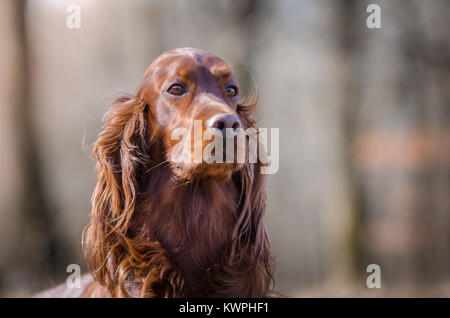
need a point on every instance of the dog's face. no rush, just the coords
(193, 97)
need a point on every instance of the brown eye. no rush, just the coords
(231, 91)
(176, 89)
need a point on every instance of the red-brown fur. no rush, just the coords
(160, 231)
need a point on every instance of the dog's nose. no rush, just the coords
(224, 121)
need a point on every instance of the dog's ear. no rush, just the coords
(250, 243)
(122, 153)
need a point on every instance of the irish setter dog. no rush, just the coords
(165, 228)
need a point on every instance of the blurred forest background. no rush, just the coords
(364, 118)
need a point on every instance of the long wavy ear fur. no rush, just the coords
(250, 241)
(121, 150)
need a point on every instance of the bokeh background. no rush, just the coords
(364, 118)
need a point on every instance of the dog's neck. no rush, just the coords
(193, 221)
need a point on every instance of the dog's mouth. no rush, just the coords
(218, 171)
(207, 162)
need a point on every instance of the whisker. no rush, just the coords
(159, 164)
(196, 185)
(183, 184)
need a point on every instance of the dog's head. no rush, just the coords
(192, 97)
